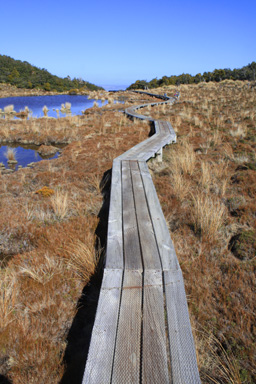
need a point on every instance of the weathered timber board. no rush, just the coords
(129, 341)
(132, 252)
(151, 259)
(182, 349)
(100, 358)
(148, 148)
(114, 254)
(154, 352)
(165, 245)
(126, 367)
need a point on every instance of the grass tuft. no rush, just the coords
(60, 204)
(82, 259)
(208, 214)
(10, 154)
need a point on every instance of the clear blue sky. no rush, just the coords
(117, 42)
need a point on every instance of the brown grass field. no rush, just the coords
(50, 216)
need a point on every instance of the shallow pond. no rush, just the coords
(79, 103)
(24, 155)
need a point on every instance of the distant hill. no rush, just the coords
(24, 75)
(245, 73)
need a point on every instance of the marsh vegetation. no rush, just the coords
(207, 188)
(48, 218)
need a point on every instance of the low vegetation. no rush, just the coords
(207, 188)
(48, 218)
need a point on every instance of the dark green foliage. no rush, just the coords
(24, 75)
(246, 73)
(139, 84)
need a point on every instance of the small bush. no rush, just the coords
(45, 192)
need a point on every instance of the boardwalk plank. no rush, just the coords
(99, 362)
(129, 340)
(182, 349)
(126, 367)
(149, 248)
(165, 245)
(114, 254)
(154, 353)
(132, 253)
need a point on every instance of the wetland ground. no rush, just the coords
(50, 215)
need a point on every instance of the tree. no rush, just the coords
(198, 78)
(139, 84)
(164, 81)
(47, 87)
(153, 83)
(252, 68)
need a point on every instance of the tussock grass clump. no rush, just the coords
(10, 154)
(220, 366)
(60, 204)
(66, 108)
(187, 158)
(82, 259)
(180, 185)
(9, 292)
(45, 111)
(44, 272)
(206, 178)
(182, 158)
(208, 214)
(238, 132)
(9, 111)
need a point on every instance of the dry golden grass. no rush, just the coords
(10, 154)
(215, 364)
(208, 214)
(48, 218)
(59, 203)
(210, 210)
(182, 158)
(82, 259)
(8, 288)
(52, 258)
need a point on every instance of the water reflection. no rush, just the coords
(53, 103)
(25, 154)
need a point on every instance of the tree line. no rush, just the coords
(247, 72)
(24, 75)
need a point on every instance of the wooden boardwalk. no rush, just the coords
(142, 332)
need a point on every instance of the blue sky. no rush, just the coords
(116, 42)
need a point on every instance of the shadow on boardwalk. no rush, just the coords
(80, 332)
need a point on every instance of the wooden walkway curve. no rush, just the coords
(142, 332)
